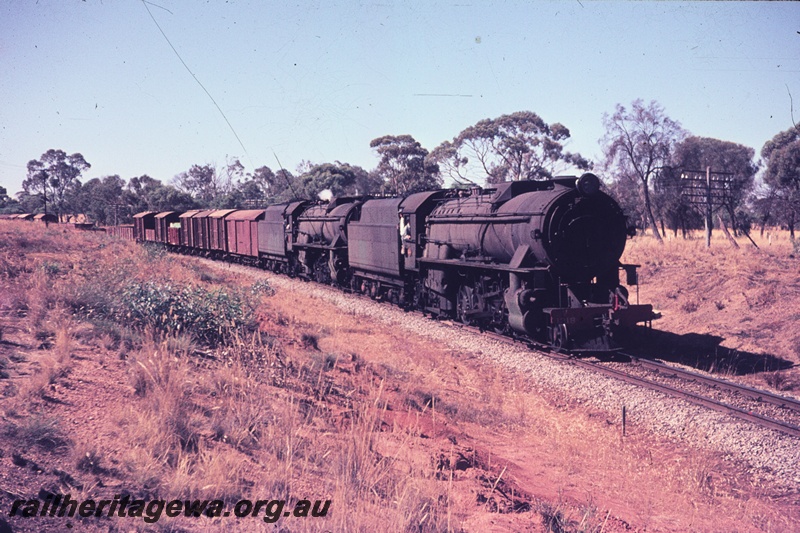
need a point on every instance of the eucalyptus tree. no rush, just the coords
(341, 179)
(513, 147)
(638, 143)
(736, 160)
(202, 182)
(53, 175)
(782, 175)
(404, 165)
(102, 200)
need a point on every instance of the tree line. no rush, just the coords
(646, 155)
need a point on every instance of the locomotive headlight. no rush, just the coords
(588, 184)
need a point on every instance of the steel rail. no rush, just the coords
(756, 394)
(721, 407)
(737, 412)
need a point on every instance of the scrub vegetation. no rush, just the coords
(128, 371)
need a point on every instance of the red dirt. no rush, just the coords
(505, 456)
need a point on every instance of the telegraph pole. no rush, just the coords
(44, 193)
(709, 208)
(706, 193)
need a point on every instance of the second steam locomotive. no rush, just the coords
(533, 259)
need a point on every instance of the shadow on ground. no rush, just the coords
(701, 351)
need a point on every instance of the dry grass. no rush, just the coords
(741, 304)
(399, 434)
(584, 462)
(245, 420)
(38, 430)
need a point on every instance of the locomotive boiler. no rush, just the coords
(538, 257)
(320, 239)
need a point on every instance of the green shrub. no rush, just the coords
(154, 251)
(51, 268)
(208, 316)
(262, 287)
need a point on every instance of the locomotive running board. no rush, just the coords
(484, 266)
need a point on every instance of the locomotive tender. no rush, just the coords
(533, 259)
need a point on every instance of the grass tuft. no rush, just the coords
(39, 430)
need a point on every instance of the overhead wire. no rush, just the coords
(221, 112)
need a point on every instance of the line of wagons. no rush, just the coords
(362, 242)
(322, 241)
(207, 232)
(41, 217)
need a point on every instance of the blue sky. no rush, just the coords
(318, 80)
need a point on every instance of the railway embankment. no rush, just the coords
(404, 423)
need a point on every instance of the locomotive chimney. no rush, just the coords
(588, 184)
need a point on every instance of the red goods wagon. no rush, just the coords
(242, 229)
(174, 234)
(124, 231)
(217, 230)
(144, 226)
(164, 222)
(46, 217)
(200, 226)
(187, 237)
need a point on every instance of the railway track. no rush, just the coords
(737, 393)
(738, 396)
(757, 398)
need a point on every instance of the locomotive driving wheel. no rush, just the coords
(466, 304)
(559, 337)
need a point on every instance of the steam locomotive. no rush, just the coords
(538, 260)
